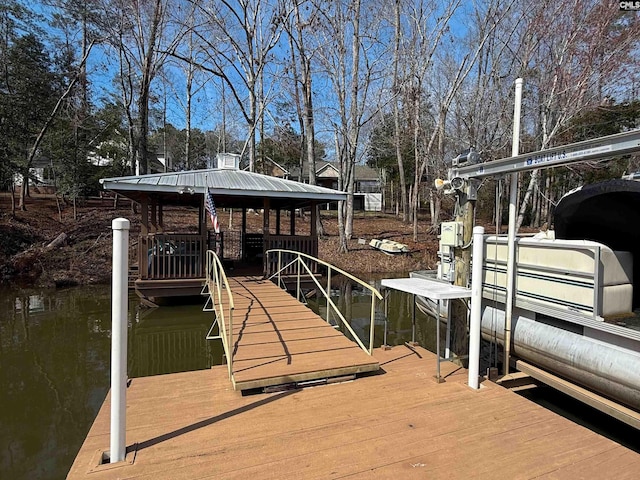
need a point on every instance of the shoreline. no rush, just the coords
(84, 253)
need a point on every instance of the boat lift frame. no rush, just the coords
(602, 148)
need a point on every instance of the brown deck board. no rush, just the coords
(399, 424)
(277, 340)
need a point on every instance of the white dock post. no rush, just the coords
(476, 303)
(511, 233)
(119, 321)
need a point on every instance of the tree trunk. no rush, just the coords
(435, 220)
(535, 207)
(187, 142)
(396, 114)
(349, 213)
(343, 246)
(525, 200)
(145, 89)
(13, 199)
(23, 191)
(546, 213)
(57, 242)
(499, 194)
(459, 333)
(354, 121)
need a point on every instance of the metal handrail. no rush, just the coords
(216, 280)
(327, 293)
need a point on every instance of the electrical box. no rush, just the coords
(446, 271)
(472, 189)
(451, 234)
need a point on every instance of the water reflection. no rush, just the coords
(54, 374)
(55, 351)
(354, 302)
(170, 340)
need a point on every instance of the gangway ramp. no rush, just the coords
(278, 340)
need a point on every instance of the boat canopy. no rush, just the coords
(606, 212)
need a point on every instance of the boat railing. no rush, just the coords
(589, 279)
(217, 286)
(288, 261)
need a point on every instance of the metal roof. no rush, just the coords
(222, 183)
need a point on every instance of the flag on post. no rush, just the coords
(211, 208)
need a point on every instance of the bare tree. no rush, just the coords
(483, 106)
(300, 27)
(192, 54)
(429, 145)
(575, 53)
(397, 127)
(240, 39)
(352, 57)
(144, 37)
(33, 150)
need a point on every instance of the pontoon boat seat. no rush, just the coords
(562, 274)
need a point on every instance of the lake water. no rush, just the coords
(55, 350)
(55, 362)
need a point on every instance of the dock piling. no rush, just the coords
(119, 311)
(476, 303)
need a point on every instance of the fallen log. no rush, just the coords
(58, 241)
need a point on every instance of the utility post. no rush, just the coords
(466, 200)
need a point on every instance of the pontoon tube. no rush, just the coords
(610, 370)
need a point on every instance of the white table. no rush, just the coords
(436, 290)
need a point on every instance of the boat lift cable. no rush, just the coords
(493, 343)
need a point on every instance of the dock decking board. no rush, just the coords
(398, 424)
(278, 340)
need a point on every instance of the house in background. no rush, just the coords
(42, 178)
(108, 151)
(368, 187)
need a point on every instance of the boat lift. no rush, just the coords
(463, 178)
(602, 148)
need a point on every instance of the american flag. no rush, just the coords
(211, 208)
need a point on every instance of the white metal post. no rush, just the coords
(476, 303)
(439, 307)
(373, 322)
(511, 235)
(119, 321)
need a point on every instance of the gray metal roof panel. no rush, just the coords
(230, 182)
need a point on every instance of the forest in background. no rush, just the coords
(400, 85)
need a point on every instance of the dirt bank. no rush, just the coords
(84, 255)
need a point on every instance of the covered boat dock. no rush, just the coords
(171, 263)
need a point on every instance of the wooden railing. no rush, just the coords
(298, 244)
(169, 255)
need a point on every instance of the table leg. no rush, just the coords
(447, 351)
(438, 343)
(413, 322)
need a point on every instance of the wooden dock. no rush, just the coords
(398, 423)
(277, 340)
